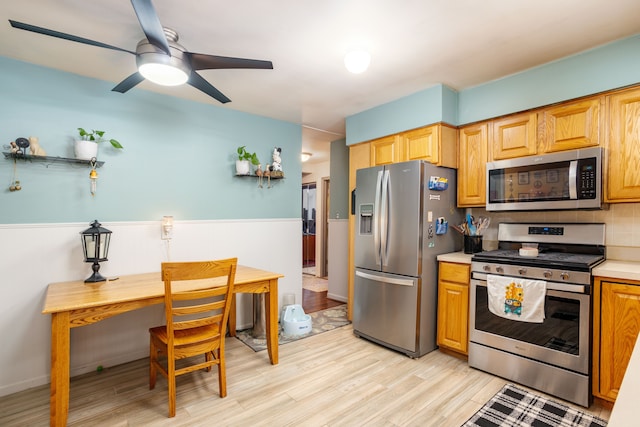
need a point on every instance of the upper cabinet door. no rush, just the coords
(573, 125)
(472, 165)
(422, 144)
(623, 147)
(386, 150)
(435, 144)
(514, 136)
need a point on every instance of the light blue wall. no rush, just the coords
(435, 104)
(597, 70)
(178, 157)
(604, 68)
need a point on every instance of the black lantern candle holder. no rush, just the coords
(95, 245)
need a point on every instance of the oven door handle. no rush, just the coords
(480, 279)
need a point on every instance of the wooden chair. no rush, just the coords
(196, 321)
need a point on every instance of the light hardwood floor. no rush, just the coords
(330, 379)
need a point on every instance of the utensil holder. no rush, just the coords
(472, 244)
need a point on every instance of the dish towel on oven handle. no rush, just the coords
(516, 298)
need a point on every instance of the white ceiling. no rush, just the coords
(414, 44)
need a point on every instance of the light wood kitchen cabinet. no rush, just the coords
(623, 147)
(514, 136)
(616, 323)
(435, 144)
(453, 306)
(358, 159)
(572, 125)
(472, 161)
(386, 150)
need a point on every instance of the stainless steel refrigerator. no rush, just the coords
(403, 214)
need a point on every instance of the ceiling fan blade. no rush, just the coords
(201, 61)
(128, 83)
(65, 36)
(197, 81)
(150, 24)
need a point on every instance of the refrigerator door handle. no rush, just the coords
(384, 217)
(376, 218)
(390, 280)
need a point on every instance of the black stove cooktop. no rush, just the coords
(544, 259)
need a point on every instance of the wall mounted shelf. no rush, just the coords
(256, 176)
(49, 159)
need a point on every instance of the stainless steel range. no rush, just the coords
(553, 356)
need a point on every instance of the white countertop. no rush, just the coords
(625, 410)
(457, 257)
(618, 270)
(609, 268)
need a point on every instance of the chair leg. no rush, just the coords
(171, 382)
(222, 376)
(153, 358)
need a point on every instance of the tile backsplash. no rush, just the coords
(622, 228)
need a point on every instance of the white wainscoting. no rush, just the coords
(338, 259)
(34, 255)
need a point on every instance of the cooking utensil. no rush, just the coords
(471, 225)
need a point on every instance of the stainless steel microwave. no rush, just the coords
(563, 180)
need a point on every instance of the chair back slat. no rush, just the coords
(194, 270)
(199, 308)
(196, 323)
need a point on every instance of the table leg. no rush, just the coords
(231, 323)
(271, 318)
(60, 347)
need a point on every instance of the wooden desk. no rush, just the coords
(74, 304)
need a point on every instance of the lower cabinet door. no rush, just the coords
(453, 307)
(616, 333)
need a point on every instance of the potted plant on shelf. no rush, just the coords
(86, 147)
(245, 159)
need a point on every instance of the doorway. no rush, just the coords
(309, 229)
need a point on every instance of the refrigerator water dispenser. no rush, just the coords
(366, 219)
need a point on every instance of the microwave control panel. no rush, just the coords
(587, 178)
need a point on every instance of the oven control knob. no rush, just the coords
(547, 273)
(500, 269)
(564, 275)
(486, 268)
(522, 271)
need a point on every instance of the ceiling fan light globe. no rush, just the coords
(160, 68)
(163, 74)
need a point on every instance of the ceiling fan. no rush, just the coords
(159, 57)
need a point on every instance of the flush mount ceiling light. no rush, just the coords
(305, 156)
(357, 61)
(158, 67)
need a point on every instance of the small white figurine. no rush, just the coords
(35, 148)
(277, 160)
